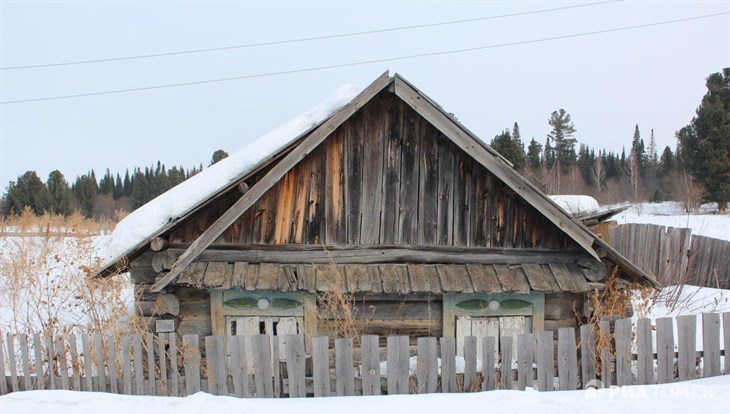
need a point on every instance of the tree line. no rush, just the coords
(696, 170)
(94, 198)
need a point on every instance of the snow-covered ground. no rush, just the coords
(706, 223)
(709, 395)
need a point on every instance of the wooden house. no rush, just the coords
(391, 201)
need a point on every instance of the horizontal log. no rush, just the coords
(400, 311)
(321, 254)
(158, 244)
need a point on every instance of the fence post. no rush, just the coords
(10, 343)
(448, 364)
(587, 354)
(295, 362)
(38, 351)
(567, 360)
(506, 362)
(488, 360)
(25, 359)
(711, 345)
(545, 361)
(74, 362)
(397, 350)
(344, 367)
(606, 358)
(263, 372)
(370, 361)
(321, 366)
(85, 346)
(645, 357)
(665, 350)
(622, 333)
(524, 360)
(191, 357)
(687, 347)
(427, 365)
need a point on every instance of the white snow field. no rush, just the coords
(709, 395)
(670, 213)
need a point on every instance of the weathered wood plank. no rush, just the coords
(99, 363)
(489, 343)
(622, 333)
(370, 361)
(391, 170)
(470, 364)
(138, 365)
(38, 352)
(75, 364)
(3, 379)
(174, 371)
(587, 354)
(52, 384)
(644, 347)
(126, 366)
(448, 365)
(25, 361)
(10, 343)
(427, 365)
(726, 340)
(344, 367)
(665, 350)
(263, 372)
(295, 362)
(62, 364)
(112, 362)
(191, 358)
(545, 361)
(505, 357)
(567, 360)
(606, 354)
(397, 357)
(687, 347)
(711, 345)
(321, 366)
(409, 178)
(524, 360)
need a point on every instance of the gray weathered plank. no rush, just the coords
(711, 345)
(448, 364)
(567, 360)
(3, 379)
(687, 347)
(524, 360)
(605, 351)
(25, 361)
(10, 343)
(174, 371)
(622, 334)
(488, 360)
(295, 362)
(75, 367)
(86, 348)
(38, 352)
(321, 366)
(370, 361)
(397, 357)
(112, 358)
(162, 363)
(344, 367)
(263, 372)
(126, 366)
(191, 357)
(644, 351)
(62, 362)
(52, 384)
(99, 354)
(427, 365)
(470, 364)
(587, 354)
(138, 365)
(151, 371)
(665, 350)
(545, 361)
(505, 358)
(216, 364)
(726, 340)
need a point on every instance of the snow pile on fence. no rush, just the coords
(146, 220)
(708, 395)
(576, 204)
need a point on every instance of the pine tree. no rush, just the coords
(217, 156)
(127, 185)
(562, 134)
(705, 142)
(666, 162)
(84, 191)
(534, 154)
(118, 188)
(510, 148)
(59, 194)
(29, 191)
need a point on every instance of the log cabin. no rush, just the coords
(386, 200)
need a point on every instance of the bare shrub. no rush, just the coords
(688, 192)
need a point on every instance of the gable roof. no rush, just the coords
(318, 131)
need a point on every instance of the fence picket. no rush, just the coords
(711, 345)
(587, 354)
(644, 347)
(138, 365)
(448, 364)
(344, 367)
(687, 347)
(74, 362)
(151, 371)
(488, 360)
(397, 357)
(162, 362)
(524, 360)
(99, 359)
(191, 358)
(263, 373)
(10, 343)
(321, 366)
(622, 334)
(112, 357)
(505, 358)
(545, 361)
(86, 349)
(295, 363)
(174, 370)
(470, 364)
(567, 360)
(62, 363)
(51, 362)
(3, 379)
(126, 366)
(665, 350)
(427, 365)
(38, 351)
(25, 360)
(370, 361)
(606, 357)
(215, 363)
(726, 336)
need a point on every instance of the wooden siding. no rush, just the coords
(385, 176)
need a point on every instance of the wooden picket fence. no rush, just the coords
(252, 367)
(675, 255)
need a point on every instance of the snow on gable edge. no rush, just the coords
(146, 221)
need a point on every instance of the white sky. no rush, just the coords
(609, 82)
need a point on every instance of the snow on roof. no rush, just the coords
(147, 220)
(576, 204)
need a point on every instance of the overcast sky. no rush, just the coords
(653, 76)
